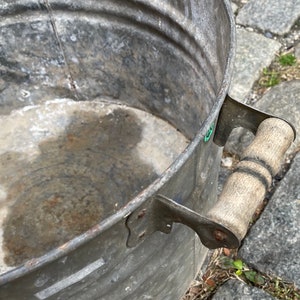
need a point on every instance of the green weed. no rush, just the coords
(270, 78)
(275, 286)
(243, 271)
(287, 59)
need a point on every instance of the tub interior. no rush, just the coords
(97, 100)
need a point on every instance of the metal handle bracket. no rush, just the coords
(159, 213)
(227, 222)
(235, 114)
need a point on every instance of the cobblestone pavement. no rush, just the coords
(265, 30)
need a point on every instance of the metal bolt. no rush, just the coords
(220, 235)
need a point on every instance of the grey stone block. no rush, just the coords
(253, 53)
(283, 101)
(237, 290)
(234, 7)
(297, 51)
(277, 16)
(273, 243)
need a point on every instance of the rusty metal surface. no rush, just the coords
(75, 164)
(159, 214)
(170, 59)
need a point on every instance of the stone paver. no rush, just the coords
(237, 290)
(274, 241)
(253, 53)
(297, 51)
(276, 16)
(283, 101)
(234, 7)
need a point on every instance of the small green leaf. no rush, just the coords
(226, 262)
(238, 272)
(270, 78)
(287, 60)
(273, 80)
(250, 275)
(254, 277)
(265, 71)
(238, 264)
(259, 280)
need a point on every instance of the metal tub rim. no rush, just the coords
(133, 204)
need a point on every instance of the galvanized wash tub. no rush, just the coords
(91, 92)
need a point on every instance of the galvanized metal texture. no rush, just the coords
(170, 59)
(159, 213)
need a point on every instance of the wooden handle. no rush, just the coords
(245, 189)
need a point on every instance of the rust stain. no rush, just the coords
(75, 182)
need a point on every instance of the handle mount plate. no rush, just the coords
(235, 114)
(159, 213)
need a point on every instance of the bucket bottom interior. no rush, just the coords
(70, 164)
(97, 100)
